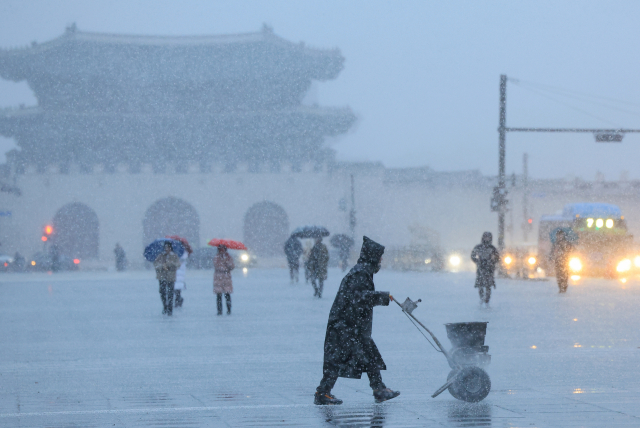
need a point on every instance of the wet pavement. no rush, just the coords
(92, 349)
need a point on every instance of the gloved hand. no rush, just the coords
(390, 298)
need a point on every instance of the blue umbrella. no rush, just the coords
(310, 232)
(156, 248)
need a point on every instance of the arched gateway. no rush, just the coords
(76, 229)
(266, 227)
(171, 216)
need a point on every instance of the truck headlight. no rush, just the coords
(508, 260)
(454, 260)
(575, 264)
(244, 257)
(624, 265)
(532, 260)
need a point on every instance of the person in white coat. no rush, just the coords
(180, 280)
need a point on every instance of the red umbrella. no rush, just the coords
(232, 245)
(183, 241)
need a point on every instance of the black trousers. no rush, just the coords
(327, 382)
(166, 294)
(485, 293)
(317, 288)
(293, 270)
(179, 298)
(227, 297)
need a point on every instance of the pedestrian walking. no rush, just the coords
(166, 264)
(293, 251)
(121, 258)
(349, 349)
(181, 274)
(318, 262)
(560, 253)
(343, 243)
(222, 283)
(485, 256)
(306, 253)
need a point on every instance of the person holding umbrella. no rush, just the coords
(182, 271)
(166, 264)
(349, 349)
(222, 283)
(293, 251)
(318, 262)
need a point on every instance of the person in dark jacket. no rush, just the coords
(349, 349)
(166, 264)
(293, 251)
(485, 256)
(121, 258)
(560, 253)
(318, 262)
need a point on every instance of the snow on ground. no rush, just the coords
(92, 349)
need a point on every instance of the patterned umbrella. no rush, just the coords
(183, 241)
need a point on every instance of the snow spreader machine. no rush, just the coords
(467, 380)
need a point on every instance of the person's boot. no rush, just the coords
(381, 395)
(325, 398)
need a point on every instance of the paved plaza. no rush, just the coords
(92, 349)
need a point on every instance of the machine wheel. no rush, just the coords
(452, 389)
(471, 385)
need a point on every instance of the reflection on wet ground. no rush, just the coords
(372, 417)
(85, 356)
(470, 415)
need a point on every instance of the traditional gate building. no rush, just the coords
(135, 137)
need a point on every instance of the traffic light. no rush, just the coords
(47, 232)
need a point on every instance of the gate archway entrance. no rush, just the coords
(77, 231)
(172, 216)
(266, 227)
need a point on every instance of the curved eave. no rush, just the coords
(312, 120)
(18, 64)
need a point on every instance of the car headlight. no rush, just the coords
(575, 264)
(244, 257)
(508, 260)
(454, 260)
(532, 260)
(636, 261)
(624, 265)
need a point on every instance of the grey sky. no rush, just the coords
(422, 76)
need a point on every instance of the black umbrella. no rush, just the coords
(310, 232)
(341, 241)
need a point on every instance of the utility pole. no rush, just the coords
(501, 200)
(352, 213)
(525, 197)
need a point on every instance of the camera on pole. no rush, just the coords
(499, 199)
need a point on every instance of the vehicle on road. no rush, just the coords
(603, 247)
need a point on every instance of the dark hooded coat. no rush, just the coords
(293, 250)
(349, 349)
(485, 256)
(318, 261)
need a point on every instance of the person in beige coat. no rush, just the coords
(222, 283)
(166, 265)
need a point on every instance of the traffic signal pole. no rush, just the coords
(499, 200)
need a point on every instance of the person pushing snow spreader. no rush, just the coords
(349, 349)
